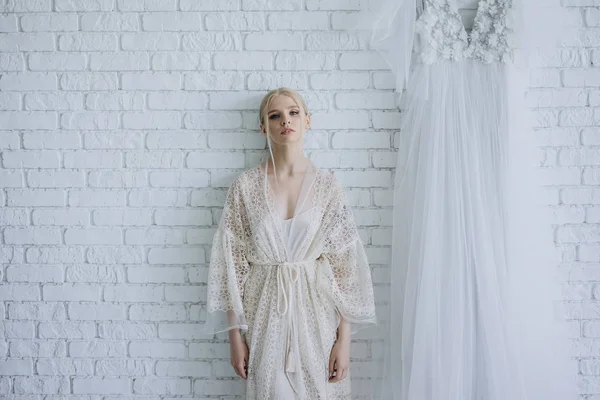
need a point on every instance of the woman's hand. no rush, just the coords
(339, 360)
(239, 353)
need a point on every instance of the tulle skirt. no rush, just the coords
(475, 294)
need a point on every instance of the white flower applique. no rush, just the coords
(441, 34)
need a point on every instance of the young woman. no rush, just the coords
(289, 277)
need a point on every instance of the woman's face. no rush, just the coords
(287, 120)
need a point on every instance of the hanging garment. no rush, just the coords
(285, 283)
(473, 283)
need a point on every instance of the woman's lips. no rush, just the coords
(287, 131)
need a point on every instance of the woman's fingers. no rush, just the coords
(241, 370)
(331, 365)
(340, 374)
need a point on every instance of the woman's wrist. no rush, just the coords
(235, 334)
(343, 332)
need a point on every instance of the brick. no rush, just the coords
(89, 120)
(176, 255)
(65, 366)
(53, 22)
(180, 61)
(116, 386)
(13, 216)
(157, 313)
(117, 179)
(13, 42)
(156, 275)
(122, 217)
(270, 5)
(126, 331)
(185, 293)
(96, 198)
(154, 236)
(37, 235)
(41, 385)
(95, 273)
(115, 255)
(151, 81)
(298, 21)
(51, 140)
(176, 140)
(179, 179)
(66, 330)
(88, 81)
(35, 311)
(56, 62)
(110, 22)
(113, 101)
(243, 61)
(162, 386)
(177, 100)
(12, 62)
(152, 120)
(157, 198)
(84, 5)
(38, 348)
(96, 312)
(31, 274)
(274, 41)
(55, 179)
(216, 159)
(16, 367)
(28, 81)
(87, 41)
(119, 61)
(209, 5)
(182, 368)
(31, 159)
(133, 293)
(183, 217)
(97, 349)
(71, 292)
(54, 255)
(235, 21)
(23, 198)
(17, 329)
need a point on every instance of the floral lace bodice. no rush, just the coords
(441, 35)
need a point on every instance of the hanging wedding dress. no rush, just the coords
(473, 283)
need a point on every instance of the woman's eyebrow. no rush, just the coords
(287, 109)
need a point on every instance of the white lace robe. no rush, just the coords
(288, 306)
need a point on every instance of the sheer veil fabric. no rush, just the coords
(475, 309)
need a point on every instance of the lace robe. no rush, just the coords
(288, 305)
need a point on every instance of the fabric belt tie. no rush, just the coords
(287, 276)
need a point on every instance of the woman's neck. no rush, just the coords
(288, 162)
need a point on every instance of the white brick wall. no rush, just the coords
(122, 122)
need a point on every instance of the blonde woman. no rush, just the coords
(289, 277)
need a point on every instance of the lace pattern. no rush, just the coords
(440, 34)
(251, 278)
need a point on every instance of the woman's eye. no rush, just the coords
(294, 112)
(274, 116)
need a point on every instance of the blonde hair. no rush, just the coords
(264, 110)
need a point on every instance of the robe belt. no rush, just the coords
(287, 275)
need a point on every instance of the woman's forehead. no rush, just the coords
(282, 102)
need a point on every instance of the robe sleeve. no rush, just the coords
(228, 267)
(346, 277)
